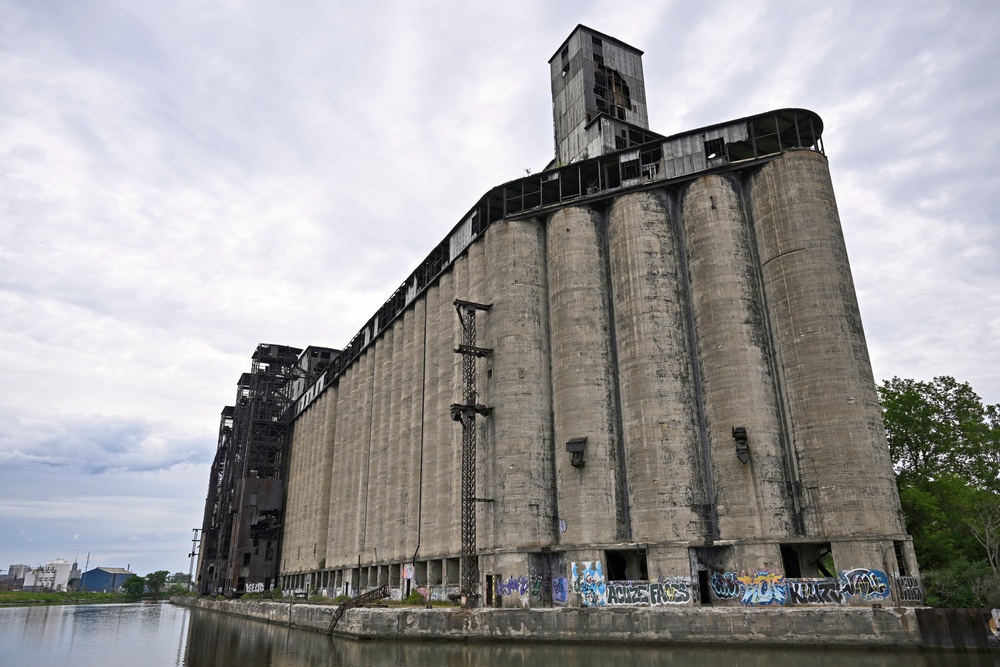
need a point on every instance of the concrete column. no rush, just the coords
(820, 347)
(667, 491)
(519, 391)
(393, 450)
(584, 391)
(433, 426)
(325, 468)
(339, 551)
(414, 458)
(356, 474)
(738, 385)
(377, 514)
(364, 482)
(294, 486)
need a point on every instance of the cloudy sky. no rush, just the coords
(181, 181)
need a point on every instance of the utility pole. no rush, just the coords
(83, 579)
(195, 542)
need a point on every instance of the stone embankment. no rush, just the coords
(831, 626)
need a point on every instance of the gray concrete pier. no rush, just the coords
(910, 628)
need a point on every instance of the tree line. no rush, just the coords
(154, 582)
(945, 447)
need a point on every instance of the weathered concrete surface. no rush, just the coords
(583, 380)
(738, 386)
(844, 626)
(667, 499)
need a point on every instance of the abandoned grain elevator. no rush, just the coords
(638, 377)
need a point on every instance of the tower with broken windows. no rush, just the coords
(638, 377)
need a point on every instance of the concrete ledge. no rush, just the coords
(797, 626)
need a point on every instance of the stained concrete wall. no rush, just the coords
(650, 324)
(834, 419)
(738, 385)
(692, 625)
(668, 494)
(591, 496)
(309, 486)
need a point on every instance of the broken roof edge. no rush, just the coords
(603, 36)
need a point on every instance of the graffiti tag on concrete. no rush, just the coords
(560, 590)
(757, 589)
(628, 593)
(674, 590)
(763, 589)
(725, 585)
(814, 591)
(588, 581)
(536, 586)
(909, 590)
(513, 586)
(864, 583)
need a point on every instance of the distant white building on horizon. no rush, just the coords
(57, 575)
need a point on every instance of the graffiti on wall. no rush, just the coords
(760, 588)
(814, 591)
(864, 583)
(513, 586)
(408, 571)
(560, 590)
(994, 622)
(908, 589)
(726, 585)
(628, 593)
(763, 589)
(672, 590)
(588, 582)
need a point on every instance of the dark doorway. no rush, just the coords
(626, 565)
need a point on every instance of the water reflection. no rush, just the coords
(215, 639)
(89, 635)
(162, 635)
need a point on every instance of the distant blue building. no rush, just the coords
(104, 579)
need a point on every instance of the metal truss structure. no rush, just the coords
(465, 412)
(243, 513)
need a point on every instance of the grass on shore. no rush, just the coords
(23, 598)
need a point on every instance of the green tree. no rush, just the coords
(945, 446)
(134, 586)
(156, 580)
(984, 522)
(941, 427)
(179, 578)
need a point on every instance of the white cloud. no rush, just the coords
(180, 182)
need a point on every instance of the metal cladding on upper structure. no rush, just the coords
(598, 96)
(655, 390)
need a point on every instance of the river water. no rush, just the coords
(162, 635)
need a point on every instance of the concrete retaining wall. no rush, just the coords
(844, 626)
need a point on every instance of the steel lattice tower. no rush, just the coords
(465, 412)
